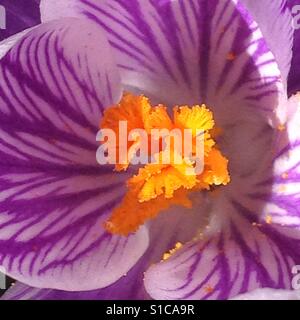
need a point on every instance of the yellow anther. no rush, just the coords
(163, 179)
(195, 118)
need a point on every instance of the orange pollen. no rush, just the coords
(281, 127)
(269, 219)
(168, 254)
(231, 56)
(184, 158)
(285, 175)
(209, 289)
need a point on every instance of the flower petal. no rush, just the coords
(8, 43)
(236, 259)
(283, 202)
(19, 16)
(168, 229)
(54, 85)
(276, 28)
(199, 50)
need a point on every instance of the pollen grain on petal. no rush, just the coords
(285, 175)
(168, 254)
(231, 56)
(209, 289)
(281, 127)
(269, 219)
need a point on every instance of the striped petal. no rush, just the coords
(276, 28)
(240, 257)
(54, 85)
(283, 202)
(20, 291)
(8, 43)
(197, 50)
(19, 15)
(165, 231)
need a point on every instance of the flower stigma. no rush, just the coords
(175, 156)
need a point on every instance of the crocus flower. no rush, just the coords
(56, 83)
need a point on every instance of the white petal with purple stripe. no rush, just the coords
(239, 257)
(274, 20)
(178, 225)
(197, 50)
(284, 203)
(54, 85)
(213, 52)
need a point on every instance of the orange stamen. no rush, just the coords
(131, 214)
(159, 185)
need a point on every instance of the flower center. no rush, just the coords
(182, 157)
